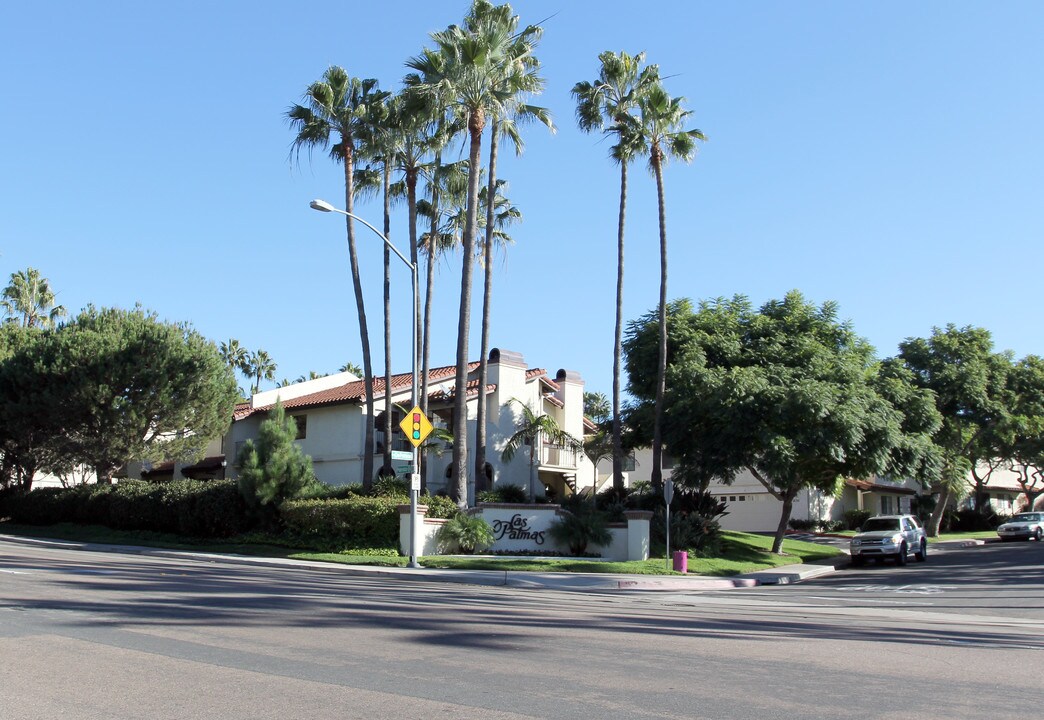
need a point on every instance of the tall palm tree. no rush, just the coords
(606, 104)
(259, 366)
(312, 375)
(597, 407)
(661, 120)
(520, 79)
(447, 193)
(350, 367)
(379, 142)
(29, 300)
(431, 99)
(421, 131)
(470, 70)
(499, 214)
(234, 354)
(339, 105)
(531, 429)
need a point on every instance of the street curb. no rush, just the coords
(783, 575)
(695, 583)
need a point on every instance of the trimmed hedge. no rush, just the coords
(352, 521)
(185, 507)
(214, 509)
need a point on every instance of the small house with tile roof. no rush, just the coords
(331, 429)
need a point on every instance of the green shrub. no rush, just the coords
(138, 505)
(43, 506)
(854, 519)
(689, 531)
(185, 507)
(92, 503)
(504, 494)
(391, 486)
(972, 520)
(322, 491)
(439, 506)
(348, 522)
(213, 508)
(465, 533)
(801, 525)
(580, 528)
(613, 503)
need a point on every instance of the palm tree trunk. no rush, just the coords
(618, 481)
(661, 365)
(487, 259)
(428, 292)
(532, 466)
(476, 123)
(364, 334)
(386, 467)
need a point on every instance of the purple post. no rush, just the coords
(681, 561)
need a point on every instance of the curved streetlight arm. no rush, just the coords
(323, 206)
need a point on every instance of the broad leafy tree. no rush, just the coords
(1021, 438)
(135, 388)
(334, 115)
(29, 300)
(970, 382)
(607, 105)
(787, 392)
(31, 407)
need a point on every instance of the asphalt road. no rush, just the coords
(89, 635)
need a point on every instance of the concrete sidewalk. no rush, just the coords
(507, 578)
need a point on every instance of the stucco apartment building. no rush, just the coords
(330, 415)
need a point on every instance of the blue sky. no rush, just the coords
(884, 155)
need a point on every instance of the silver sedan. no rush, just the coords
(1023, 527)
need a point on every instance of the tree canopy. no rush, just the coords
(111, 386)
(787, 392)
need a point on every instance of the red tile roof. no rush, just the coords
(542, 374)
(472, 390)
(356, 391)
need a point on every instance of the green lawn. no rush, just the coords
(741, 553)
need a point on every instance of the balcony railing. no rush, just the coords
(558, 455)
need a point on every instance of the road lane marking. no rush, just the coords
(903, 589)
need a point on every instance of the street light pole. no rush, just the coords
(323, 206)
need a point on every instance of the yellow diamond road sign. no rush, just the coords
(416, 426)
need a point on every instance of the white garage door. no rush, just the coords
(751, 512)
